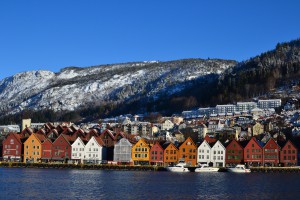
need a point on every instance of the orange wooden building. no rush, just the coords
(188, 152)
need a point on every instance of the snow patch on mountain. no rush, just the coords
(74, 87)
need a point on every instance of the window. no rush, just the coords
(38, 147)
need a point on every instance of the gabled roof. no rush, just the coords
(157, 144)
(143, 141)
(209, 139)
(119, 134)
(109, 132)
(188, 139)
(47, 140)
(205, 142)
(99, 140)
(271, 140)
(67, 138)
(54, 131)
(41, 131)
(17, 136)
(27, 130)
(234, 141)
(260, 144)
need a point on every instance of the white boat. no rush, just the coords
(180, 167)
(206, 168)
(239, 169)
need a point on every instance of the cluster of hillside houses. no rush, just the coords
(253, 137)
(260, 106)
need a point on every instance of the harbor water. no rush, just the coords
(21, 183)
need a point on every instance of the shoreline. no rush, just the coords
(131, 167)
(81, 166)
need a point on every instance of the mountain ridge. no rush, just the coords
(74, 88)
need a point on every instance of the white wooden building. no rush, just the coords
(204, 153)
(94, 151)
(218, 154)
(77, 153)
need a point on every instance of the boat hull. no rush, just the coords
(178, 169)
(211, 169)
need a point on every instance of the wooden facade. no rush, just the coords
(234, 153)
(156, 154)
(288, 154)
(33, 148)
(170, 154)
(140, 152)
(47, 150)
(12, 148)
(61, 150)
(253, 153)
(271, 153)
(188, 152)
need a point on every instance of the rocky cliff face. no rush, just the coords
(74, 88)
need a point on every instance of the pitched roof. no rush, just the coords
(100, 141)
(40, 137)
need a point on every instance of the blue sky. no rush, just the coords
(54, 34)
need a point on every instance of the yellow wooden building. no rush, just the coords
(141, 152)
(33, 147)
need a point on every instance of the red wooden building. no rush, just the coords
(271, 153)
(288, 154)
(156, 154)
(61, 149)
(47, 150)
(253, 154)
(12, 147)
(234, 153)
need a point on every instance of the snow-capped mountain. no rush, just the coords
(74, 88)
